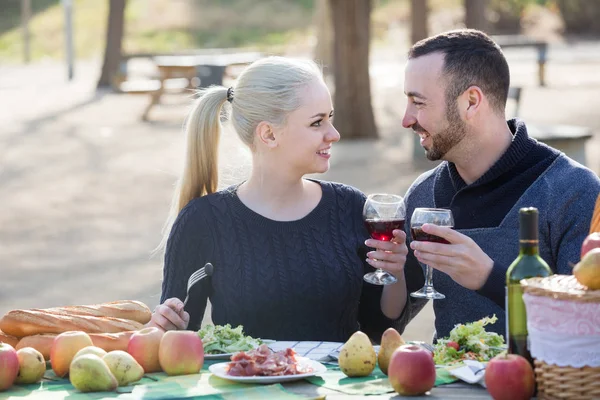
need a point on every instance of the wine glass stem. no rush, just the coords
(429, 278)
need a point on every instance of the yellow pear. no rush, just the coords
(124, 367)
(91, 350)
(32, 365)
(587, 271)
(89, 373)
(357, 356)
(390, 341)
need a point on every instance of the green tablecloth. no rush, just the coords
(205, 386)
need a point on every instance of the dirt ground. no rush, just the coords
(85, 185)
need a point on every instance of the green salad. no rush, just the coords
(221, 339)
(469, 342)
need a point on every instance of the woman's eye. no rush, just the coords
(317, 123)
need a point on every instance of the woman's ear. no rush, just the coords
(266, 134)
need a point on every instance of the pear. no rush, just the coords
(91, 350)
(89, 373)
(357, 356)
(124, 367)
(390, 341)
(587, 271)
(32, 365)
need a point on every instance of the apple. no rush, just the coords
(9, 366)
(592, 241)
(412, 370)
(143, 346)
(510, 377)
(32, 365)
(453, 344)
(64, 348)
(181, 353)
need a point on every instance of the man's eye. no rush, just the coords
(417, 103)
(317, 123)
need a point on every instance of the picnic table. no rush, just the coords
(331, 384)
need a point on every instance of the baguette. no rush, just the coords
(106, 341)
(4, 338)
(42, 343)
(21, 323)
(595, 223)
(124, 309)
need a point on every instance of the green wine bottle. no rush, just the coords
(528, 264)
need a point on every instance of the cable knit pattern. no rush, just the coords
(296, 280)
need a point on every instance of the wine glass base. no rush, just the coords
(380, 278)
(427, 292)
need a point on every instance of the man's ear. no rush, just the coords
(266, 134)
(471, 101)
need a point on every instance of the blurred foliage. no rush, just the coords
(505, 15)
(580, 16)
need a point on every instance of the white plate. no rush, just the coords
(220, 370)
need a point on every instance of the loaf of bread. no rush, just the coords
(21, 323)
(106, 341)
(42, 343)
(4, 338)
(125, 309)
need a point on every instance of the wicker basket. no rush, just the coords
(564, 382)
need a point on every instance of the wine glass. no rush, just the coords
(382, 214)
(435, 216)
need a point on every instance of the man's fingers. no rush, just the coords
(174, 303)
(163, 323)
(173, 317)
(445, 232)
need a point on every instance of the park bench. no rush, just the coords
(517, 41)
(570, 139)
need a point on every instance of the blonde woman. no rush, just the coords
(288, 252)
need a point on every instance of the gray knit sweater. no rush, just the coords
(529, 174)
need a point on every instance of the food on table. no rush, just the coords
(42, 343)
(264, 362)
(123, 309)
(143, 346)
(181, 353)
(390, 341)
(412, 370)
(4, 338)
(357, 356)
(223, 339)
(587, 271)
(97, 351)
(32, 366)
(595, 223)
(124, 367)
(510, 377)
(64, 348)
(474, 343)
(89, 373)
(9, 366)
(591, 241)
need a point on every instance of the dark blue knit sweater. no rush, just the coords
(298, 280)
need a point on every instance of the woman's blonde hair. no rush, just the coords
(268, 90)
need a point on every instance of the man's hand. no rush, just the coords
(462, 259)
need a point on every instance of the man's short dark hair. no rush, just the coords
(471, 58)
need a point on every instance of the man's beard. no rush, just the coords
(443, 141)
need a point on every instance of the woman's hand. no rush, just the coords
(389, 256)
(170, 316)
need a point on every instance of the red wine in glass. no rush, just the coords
(381, 229)
(419, 234)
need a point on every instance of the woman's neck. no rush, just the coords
(279, 198)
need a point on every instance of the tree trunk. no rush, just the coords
(353, 111)
(114, 40)
(419, 16)
(324, 48)
(475, 14)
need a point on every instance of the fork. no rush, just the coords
(425, 345)
(196, 277)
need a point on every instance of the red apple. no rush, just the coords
(181, 353)
(64, 348)
(412, 370)
(9, 366)
(591, 242)
(509, 377)
(143, 346)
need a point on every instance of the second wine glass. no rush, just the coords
(435, 216)
(382, 214)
